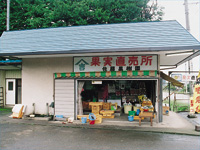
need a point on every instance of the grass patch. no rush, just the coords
(178, 106)
(5, 110)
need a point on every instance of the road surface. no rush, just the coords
(32, 137)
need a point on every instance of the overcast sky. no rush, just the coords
(175, 10)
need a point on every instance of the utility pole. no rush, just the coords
(187, 15)
(8, 16)
(188, 29)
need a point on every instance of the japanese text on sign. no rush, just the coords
(114, 63)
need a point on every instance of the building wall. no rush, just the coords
(14, 74)
(38, 81)
(2, 82)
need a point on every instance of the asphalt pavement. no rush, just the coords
(194, 121)
(23, 134)
(172, 124)
(33, 137)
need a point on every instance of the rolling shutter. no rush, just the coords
(64, 97)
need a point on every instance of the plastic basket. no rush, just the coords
(131, 113)
(84, 119)
(92, 121)
(92, 116)
(113, 108)
(130, 118)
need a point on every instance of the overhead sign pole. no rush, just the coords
(8, 16)
(187, 16)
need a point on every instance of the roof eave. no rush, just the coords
(189, 58)
(145, 49)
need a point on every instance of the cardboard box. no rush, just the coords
(165, 110)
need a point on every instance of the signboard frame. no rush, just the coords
(116, 68)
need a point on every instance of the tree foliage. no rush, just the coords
(31, 14)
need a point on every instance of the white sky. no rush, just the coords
(175, 10)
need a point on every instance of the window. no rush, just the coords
(10, 86)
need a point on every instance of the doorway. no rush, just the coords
(13, 91)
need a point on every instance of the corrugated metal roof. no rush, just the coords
(145, 36)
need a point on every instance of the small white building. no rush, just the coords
(10, 82)
(58, 64)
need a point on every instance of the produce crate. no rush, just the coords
(100, 104)
(147, 110)
(98, 119)
(146, 103)
(107, 113)
(111, 117)
(80, 117)
(106, 106)
(95, 109)
(137, 118)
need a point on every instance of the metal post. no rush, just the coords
(47, 106)
(33, 108)
(8, 16)
(187, 15)
(169, 92)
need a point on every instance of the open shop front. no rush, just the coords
(108, 97)
(116, 98)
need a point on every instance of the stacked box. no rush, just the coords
(106, 106)
(95, 109)
(165, 110)
(98, 119)
(107, 113)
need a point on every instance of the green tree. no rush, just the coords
(32, 14)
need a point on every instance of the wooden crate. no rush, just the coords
(100, 104)
(80, 117)
(146, 103)
(111, 117)
(137, 118)
(98, 119)
(95, 109)
(107, 113)
(106, 106)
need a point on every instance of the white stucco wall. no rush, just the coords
(38, 81)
